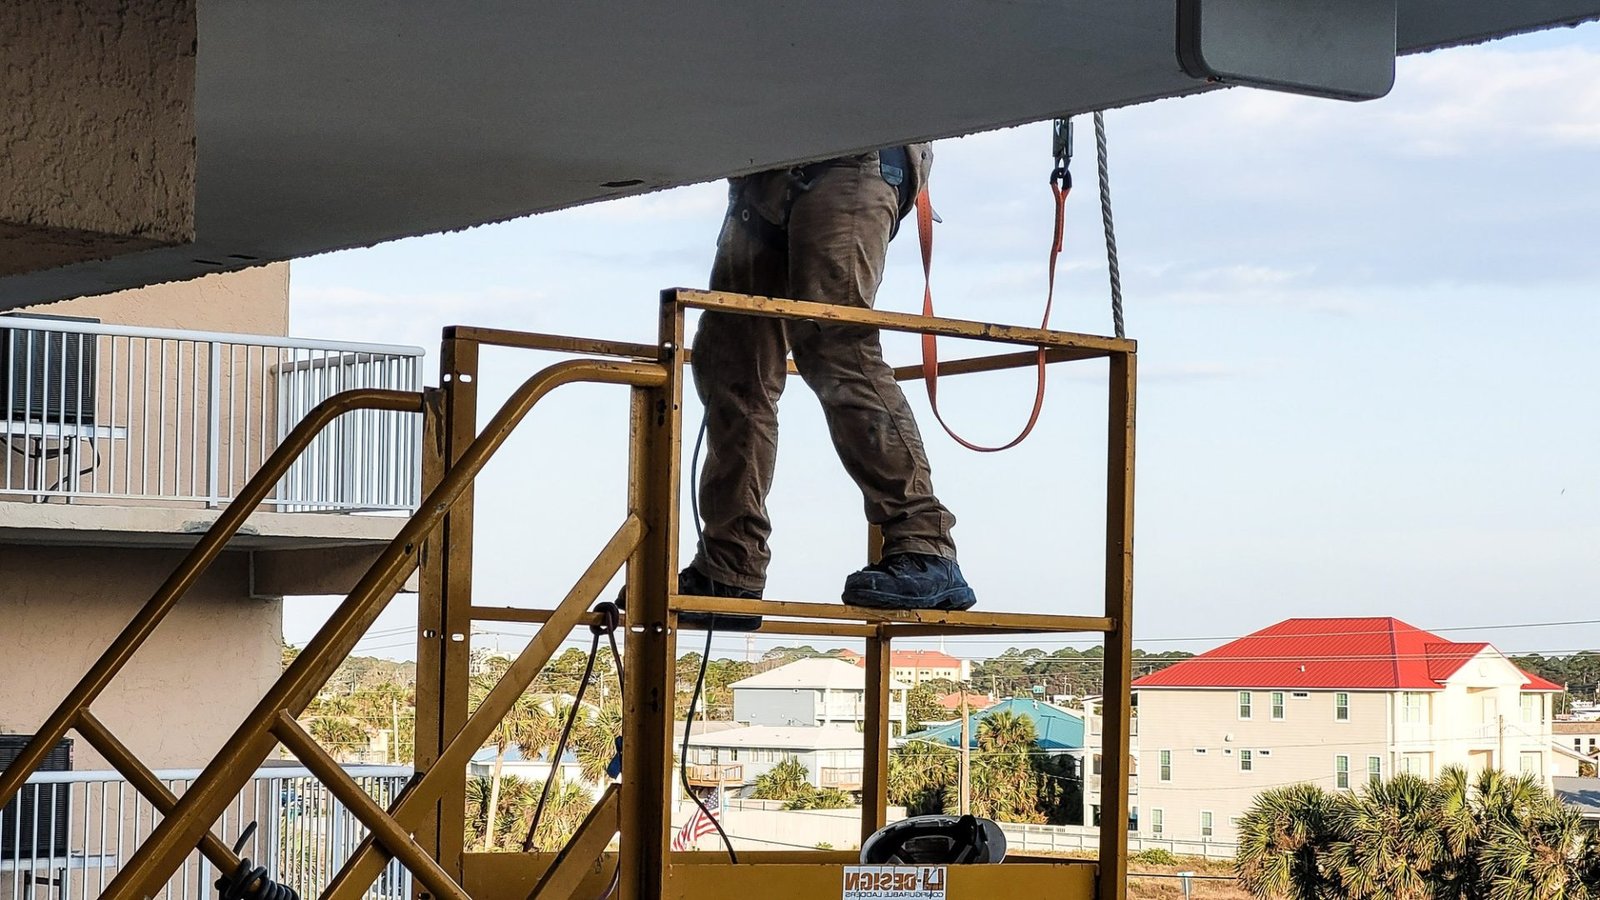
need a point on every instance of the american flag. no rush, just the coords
(699, 824)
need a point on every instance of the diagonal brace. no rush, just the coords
(566, 874)
(408, 809)
(394, 838)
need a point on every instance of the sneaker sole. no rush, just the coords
(953, 600)
(698, 621)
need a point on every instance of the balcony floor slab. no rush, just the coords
(100, 525)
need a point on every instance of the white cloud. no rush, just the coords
(1463, 101)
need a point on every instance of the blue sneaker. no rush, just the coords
(694, 583)
(910, 581)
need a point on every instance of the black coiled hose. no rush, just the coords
(249, 881)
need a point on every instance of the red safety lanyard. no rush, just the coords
(930, 343)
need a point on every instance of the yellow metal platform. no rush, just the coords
(424, 826)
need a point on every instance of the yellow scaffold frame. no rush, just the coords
(424, 826)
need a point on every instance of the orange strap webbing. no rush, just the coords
(930, 343)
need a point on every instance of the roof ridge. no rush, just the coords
(1394, 648)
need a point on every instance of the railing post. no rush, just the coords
(443, 609)
(655, 453)
(214, 428)
(1117, 669)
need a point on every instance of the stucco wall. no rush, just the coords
(181, 695)
(97, 146)
(251, 301)
(153, 453)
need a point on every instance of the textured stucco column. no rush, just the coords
(97, 150)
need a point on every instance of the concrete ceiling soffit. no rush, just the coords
(326, 126)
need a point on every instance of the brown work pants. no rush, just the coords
(830, 249)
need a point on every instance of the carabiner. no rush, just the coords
(1061, 153)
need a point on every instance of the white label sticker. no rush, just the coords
(894, 883)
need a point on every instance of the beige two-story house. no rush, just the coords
(1334, 702)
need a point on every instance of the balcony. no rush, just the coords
(67, 833)
(840, 779)
(117, 434)
(715, 775)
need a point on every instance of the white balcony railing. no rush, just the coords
(68, 833)
(92, 412)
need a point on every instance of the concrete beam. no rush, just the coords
(314, 571)
(97, 143)
(98, 525)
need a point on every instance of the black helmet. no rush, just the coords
(936, 840)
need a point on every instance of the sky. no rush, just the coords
(1367, 377)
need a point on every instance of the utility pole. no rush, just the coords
(394, 731)
(964, 804)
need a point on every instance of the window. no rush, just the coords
(1244, 704)
(1341, 707)
(1415, 764)
(735, 752)
(1374, 769)
(1277, 705)
(1205, 824)
(1532, 709)
(1156, 821)
(1166, 765)
(1341, 772)
(1246, 761)
(1533, 764)
(1413, 709)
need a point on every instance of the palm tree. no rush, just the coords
(1543, 857)
(1388, 842)
(824, 798)
(784, 781)
(334, 723)
(1491, 836)
(594, 740)
(563, 813)
(920, 777)
(512, 729)
(1283, 842)
(1003, 779)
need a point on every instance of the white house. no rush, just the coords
(1333, 702)
(813, 692)
(734, 758)
(534, 771)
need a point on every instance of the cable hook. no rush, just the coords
(1061, 153)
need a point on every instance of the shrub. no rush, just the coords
(1155, 856)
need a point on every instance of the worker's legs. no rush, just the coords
(739, 372)
(838, 238)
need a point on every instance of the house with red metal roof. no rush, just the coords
(916, 666)
(1334, 702)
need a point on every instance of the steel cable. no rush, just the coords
(1112, 268)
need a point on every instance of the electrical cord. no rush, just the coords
(610, 618)
(705, 657)
(683, 756)
(248, 880)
